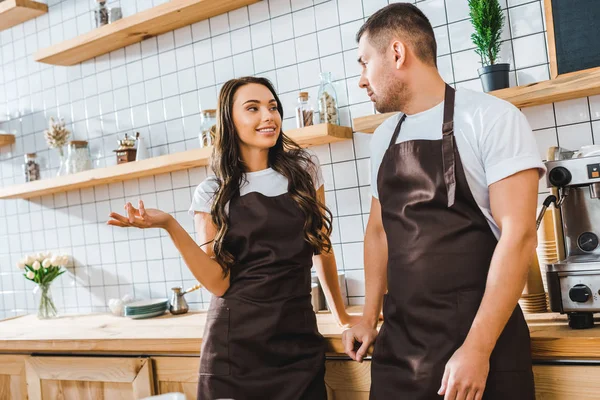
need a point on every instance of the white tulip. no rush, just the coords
(29, 260)
(64, 260)
(36, 265)
(46, 263)
(54, 260)
(30, 274)
(40, 257)
(21, 265)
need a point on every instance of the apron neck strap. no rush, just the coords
(449, 162)
(448, 125)
(397, 131)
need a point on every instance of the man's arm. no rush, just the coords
(513, 203)
(376, 257)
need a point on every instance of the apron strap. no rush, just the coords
(397, 131)
(448, 145)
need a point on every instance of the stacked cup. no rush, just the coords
(534, 298)
(547, 250)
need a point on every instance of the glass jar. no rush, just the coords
(31, 168)
(304, 111)
(327, 101)
(101, 14)
(78, 157)
(208, 120)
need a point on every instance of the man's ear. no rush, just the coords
(399, 51)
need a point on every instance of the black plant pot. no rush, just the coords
(494, 77)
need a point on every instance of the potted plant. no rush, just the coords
(488, 21)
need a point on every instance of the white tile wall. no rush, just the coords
(158, 88)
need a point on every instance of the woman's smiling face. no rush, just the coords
(256, 117)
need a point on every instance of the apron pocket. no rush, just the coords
(214, 357)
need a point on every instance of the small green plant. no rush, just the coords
(488, 21)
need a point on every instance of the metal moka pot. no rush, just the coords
(178, 304)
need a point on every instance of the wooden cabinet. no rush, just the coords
(177, 374)
(13, 385)
(98, 378)
(347, 380)
(344, 379)
(566, 382)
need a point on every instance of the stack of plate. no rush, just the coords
(146, 308)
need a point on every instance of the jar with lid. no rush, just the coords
(78, 157)
(208, 120)
(31, 168)
(327, 101)
(304, 111)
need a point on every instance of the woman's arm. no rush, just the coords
(200, 258)
(328, 276)
(200, 262)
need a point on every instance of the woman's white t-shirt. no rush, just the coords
(267, 182)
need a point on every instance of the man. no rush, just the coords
(451, 230)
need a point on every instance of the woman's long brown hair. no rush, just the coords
(286, 157)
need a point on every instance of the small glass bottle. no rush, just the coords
(78, 157)
(327, 101)
(208, 119)
(31, 168)
(304, 111)
(101, 14)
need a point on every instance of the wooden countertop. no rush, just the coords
(551, 338)
(106, 333)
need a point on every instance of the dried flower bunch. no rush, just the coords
(56, 134)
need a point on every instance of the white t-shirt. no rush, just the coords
(493, 138)
(267, 182)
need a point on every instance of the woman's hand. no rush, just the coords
(140, 217)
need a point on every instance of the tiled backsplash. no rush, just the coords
(158, 88)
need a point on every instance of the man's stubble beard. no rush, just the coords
(394, 99)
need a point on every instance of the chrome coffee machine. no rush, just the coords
(574, 281)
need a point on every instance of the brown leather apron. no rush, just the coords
(439, 251)
(261, 339)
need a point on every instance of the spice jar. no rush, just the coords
(304, 111)
(208, 119)
(104, 15)
(327, 100)
(101, 13)
(78, 157)
(126, 151)
(31, 168)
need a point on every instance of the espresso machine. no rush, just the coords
(574, 280)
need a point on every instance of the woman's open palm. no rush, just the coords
(140, 217)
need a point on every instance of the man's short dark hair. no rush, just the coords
(405, 21)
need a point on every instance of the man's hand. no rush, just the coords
(361, 333)
(465, 374)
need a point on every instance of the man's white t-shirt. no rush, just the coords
(493, 138)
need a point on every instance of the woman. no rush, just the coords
(263, 223)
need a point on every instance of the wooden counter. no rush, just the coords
(106, 333)
(551, 338)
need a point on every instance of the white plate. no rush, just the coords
(146, 303)
(150, 315)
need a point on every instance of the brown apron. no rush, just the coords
(261, 339)
(439, 251)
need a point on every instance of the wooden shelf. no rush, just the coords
(135, 28)
(6, 139)
(15, 12)
(309, 136)
(565, 87)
